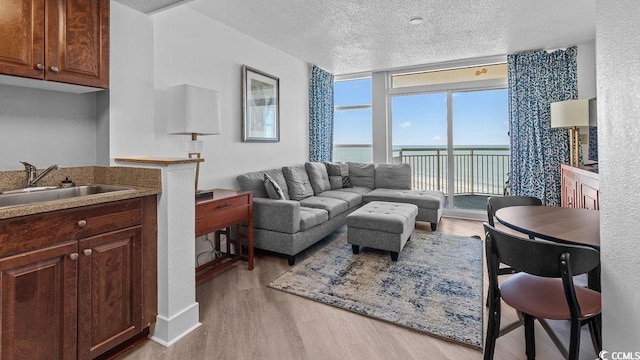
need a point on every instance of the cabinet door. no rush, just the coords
(39, 300)
(78, 42)
(22, 34)
(590, 197)
(109, 290)
(569, 191)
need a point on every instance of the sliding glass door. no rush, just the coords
(480, 144)
(455, 142)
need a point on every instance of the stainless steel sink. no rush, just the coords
(36, 195)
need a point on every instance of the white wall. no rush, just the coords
(618, 68)
(192, 48)
(131, 96)
(586, 62)
(46, 127)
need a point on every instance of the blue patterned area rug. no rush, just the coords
(435, 287)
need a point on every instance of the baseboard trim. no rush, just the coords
(168, 331)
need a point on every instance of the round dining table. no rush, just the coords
(560, 224)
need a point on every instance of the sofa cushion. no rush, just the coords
(338, 175)
(356, 190)
(318, 176)
(333, 206)
(273, 189)
(310, 217)
(254, 182)
(393, 176)
(424, 199)
(353, 199)
(362, 174)
(297, 182)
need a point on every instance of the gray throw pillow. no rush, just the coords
(273, 189)
(297, 182)
(338, 175)
(318, 177)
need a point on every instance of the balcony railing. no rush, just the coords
(476, 171)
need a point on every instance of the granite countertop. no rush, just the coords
(140, 182)
(46, 206)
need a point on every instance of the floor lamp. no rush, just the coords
(571, 114)
(193, 111)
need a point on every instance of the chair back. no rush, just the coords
(495, 203)
(540, 257)
(543, 259)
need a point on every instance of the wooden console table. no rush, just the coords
(217, 215)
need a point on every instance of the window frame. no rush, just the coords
(343, 108)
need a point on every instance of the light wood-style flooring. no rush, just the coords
(244, 319)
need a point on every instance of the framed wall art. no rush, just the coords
(260, 106)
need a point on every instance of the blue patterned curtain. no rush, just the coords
(536, 79)
(320, 115)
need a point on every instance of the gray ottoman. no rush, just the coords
(381, 225)
(429, 202)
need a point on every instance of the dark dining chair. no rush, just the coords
(495, 203)
(542, 289)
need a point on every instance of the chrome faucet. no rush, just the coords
(31, 178)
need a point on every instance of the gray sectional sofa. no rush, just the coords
(296, 206)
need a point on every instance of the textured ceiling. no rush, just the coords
(349, 36)
(150, 6)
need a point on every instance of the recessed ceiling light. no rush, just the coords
(416, 21)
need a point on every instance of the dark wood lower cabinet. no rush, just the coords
(77, 299)
(39, 299)
(110, 292)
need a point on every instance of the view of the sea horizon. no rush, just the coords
(424, 127)
(479, 120)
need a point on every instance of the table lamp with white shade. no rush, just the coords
(193, 111)
(571, 114)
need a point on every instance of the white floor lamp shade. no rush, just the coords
(192, 110)
(571, 114)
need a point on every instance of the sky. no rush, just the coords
(479, 117)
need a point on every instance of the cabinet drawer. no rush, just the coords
(216, 215)
(36, 231)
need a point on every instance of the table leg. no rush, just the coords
(593, 279)
(250, 245)
(237, 245)
(216, 236)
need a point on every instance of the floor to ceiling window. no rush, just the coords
(352, 129)
(451, 126)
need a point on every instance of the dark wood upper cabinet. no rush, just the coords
(22, 32)
(56, 40)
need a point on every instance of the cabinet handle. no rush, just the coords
(224, 206)
(73, 256)
(54, 68)
(39, 66)
(82, 223)
(87, 252)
